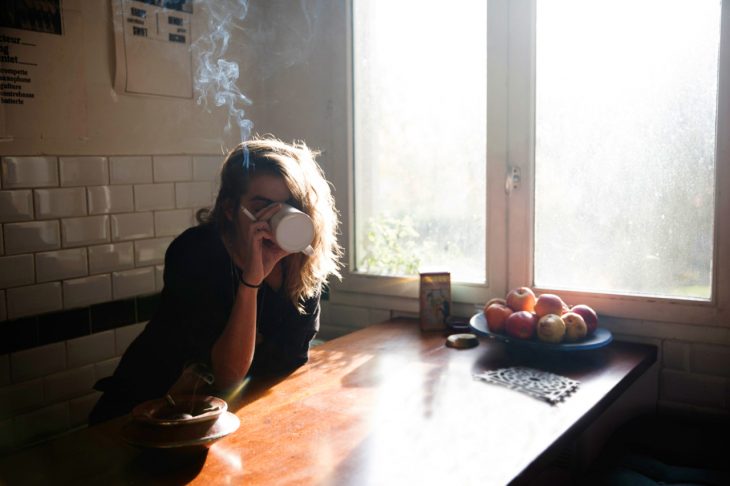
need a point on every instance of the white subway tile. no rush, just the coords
(692, 389)
(207, 167)
(107, 258)
(89, 230)
(107, 367)
(711, 360)
(16, 206)
(172, 168)
(685, 332)
(20, 398)
(16, 271)
(172, 223)
(159, 277)
(37, 362)
(82, 292)
(42, 423)
(31, 236)
(90, 349)
(69, 384)
(154, 196)
(60, 203)
(3, 308)
(29, 172)
(126, 334)
(34, 299)
(61, 264)
(131, 226)
(84, 171)
(131, 170)
(80, 408)
(110, 199)
(675, 355)
(193, 194)
(152, 251)
(4, 367)
(129, 283)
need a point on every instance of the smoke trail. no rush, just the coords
(216, 77)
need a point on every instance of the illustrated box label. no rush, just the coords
(435, 300)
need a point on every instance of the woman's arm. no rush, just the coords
(232, 353)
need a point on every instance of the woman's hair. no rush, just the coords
(311, 194)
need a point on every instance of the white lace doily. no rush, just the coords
(540, 384)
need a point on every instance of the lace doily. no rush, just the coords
(540, 384)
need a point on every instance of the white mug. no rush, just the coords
(293, 230)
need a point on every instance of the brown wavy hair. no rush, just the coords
(311, 194)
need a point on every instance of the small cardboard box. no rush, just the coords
(435, 300)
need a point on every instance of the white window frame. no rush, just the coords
(511, 143)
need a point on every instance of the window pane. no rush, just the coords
(625, 145)
(420, 136)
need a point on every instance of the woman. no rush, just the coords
(233, 300)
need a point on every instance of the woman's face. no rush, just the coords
(264, 189)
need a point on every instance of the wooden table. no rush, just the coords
(384, 405)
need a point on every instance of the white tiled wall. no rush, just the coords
(50, 390)
(77, 231)
(63, 219)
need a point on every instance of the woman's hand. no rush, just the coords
(262, 251)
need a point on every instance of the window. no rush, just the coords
(607, 113)
(419, 79)
(625, 146)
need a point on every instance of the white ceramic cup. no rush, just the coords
(293, 230)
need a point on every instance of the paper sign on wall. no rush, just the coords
(42, 72)
(152, 40)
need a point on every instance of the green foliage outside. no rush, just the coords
(391, 247)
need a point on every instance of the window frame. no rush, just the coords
(510, 143)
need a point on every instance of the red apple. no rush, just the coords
(548, 304)
(521, 324)
(496, 300)
(575, 326)
(521, 299)
(588, 315)
(550, 328)
(566, 308)
(497, 315)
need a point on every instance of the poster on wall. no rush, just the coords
(41, 70)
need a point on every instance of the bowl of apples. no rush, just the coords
(542, 321)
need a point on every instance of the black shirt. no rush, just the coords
(196, 301)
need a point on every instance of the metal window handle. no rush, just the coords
(513, 180)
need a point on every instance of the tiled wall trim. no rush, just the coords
(93, 322)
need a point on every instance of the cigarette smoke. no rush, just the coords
(216, 77)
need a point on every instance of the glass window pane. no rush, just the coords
(626, 94)
(420, 136)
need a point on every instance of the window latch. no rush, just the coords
(513, 180)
